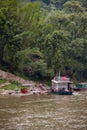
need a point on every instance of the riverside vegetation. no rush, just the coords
(39, 39)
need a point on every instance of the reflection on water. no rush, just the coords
(44, 112)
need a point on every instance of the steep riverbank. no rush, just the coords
(11, 77)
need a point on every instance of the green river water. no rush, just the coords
(44, 112)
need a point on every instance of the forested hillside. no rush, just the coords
(56, 4)
(39, 38)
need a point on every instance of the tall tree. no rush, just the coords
(9, 27)
(56, 49)
(73, 7)
(30, 16)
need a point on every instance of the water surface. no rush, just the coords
(44, 112)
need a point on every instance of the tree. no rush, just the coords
(30, 16)
(55, 47)
(9, 27)
(73, 7)
(31, 63)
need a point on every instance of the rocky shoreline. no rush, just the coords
(30, 87)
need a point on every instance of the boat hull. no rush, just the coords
(83, 89)
(76, 89)
(81, 86)
(64, 93)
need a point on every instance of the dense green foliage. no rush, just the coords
(41, 38)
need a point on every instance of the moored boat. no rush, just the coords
(81, 86)
(62, 85)
(24, 90)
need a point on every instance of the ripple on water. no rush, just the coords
(50, 112)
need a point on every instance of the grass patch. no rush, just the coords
(2, 81)
(10, 87)
(13, 87)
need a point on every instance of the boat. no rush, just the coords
(62, 85)
(81, 86)
(24, 90)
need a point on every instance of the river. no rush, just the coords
(44, 112)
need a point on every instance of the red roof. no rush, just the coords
(64, 78)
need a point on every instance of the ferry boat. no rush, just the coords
(62, 85)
